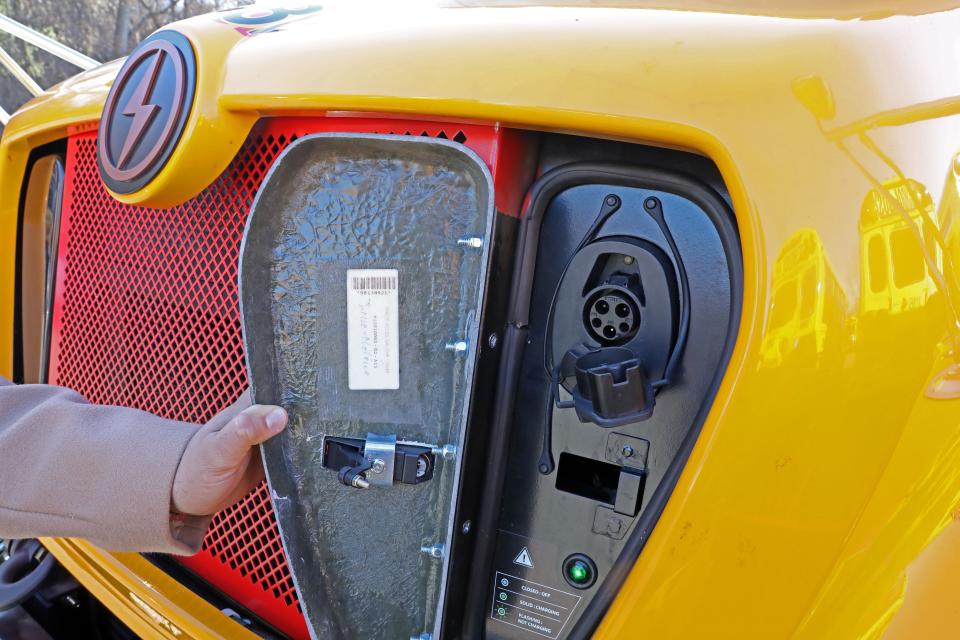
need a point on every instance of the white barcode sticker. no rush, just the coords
(373, 329)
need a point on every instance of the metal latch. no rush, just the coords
(380, 460)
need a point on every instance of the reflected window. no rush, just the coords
(877, 263)
(784, 304)
(808, 294)
(907, 255)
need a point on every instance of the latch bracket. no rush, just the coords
(378, 460)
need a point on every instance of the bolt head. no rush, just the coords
(466, 527)
(457, 347)
(378, 466)
(433, 550)
(492, 340)
(471, 242)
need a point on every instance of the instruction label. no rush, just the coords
(523, 602)
(531, 606)
(373, 329)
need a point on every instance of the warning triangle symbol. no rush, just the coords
(523, 559)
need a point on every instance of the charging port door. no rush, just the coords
(363, 272)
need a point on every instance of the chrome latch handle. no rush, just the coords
(379, 460)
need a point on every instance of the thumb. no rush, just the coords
(249, 428)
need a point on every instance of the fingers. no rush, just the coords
(220, 420)
(251, 478)
(251, 427)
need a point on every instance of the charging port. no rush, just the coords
(612, 311)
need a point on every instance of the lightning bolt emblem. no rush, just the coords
(139, 107)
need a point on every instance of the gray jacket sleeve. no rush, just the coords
(72, 469)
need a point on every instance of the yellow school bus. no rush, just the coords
(807, 299)
(710, 384)
(889, 224)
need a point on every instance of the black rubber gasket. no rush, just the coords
(56, 148)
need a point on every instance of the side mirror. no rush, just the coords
(814, 94)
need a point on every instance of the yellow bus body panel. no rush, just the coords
(820, 497)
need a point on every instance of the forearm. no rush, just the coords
(72, 469)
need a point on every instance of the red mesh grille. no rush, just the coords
(146, 315)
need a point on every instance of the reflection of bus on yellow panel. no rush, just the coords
(894, 274)
(949, 220)
(808, 306)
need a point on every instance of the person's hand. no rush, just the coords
(221, 463)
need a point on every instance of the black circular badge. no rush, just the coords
(146, 111)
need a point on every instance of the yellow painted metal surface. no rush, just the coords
(149, 601)
(828, 471)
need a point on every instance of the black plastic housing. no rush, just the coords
(613, 388)
(537, 513)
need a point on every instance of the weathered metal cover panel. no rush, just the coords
(332, 203)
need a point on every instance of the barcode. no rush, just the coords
(373, 283)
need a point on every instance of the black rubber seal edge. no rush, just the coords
(56, 148)
(541, 194)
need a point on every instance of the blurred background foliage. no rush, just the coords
(102, 29)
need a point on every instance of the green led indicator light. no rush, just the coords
(503, 596)
(579, 571)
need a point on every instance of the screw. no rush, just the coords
(360, 483)
(447, 451)
(471, 242)
(627, 451)
(457, 347)
(433, 550)
(627, 259)
(378, 466)
(466, 527)
(492, 340)
(612, 200)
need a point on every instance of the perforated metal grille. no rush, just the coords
(146, 315)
